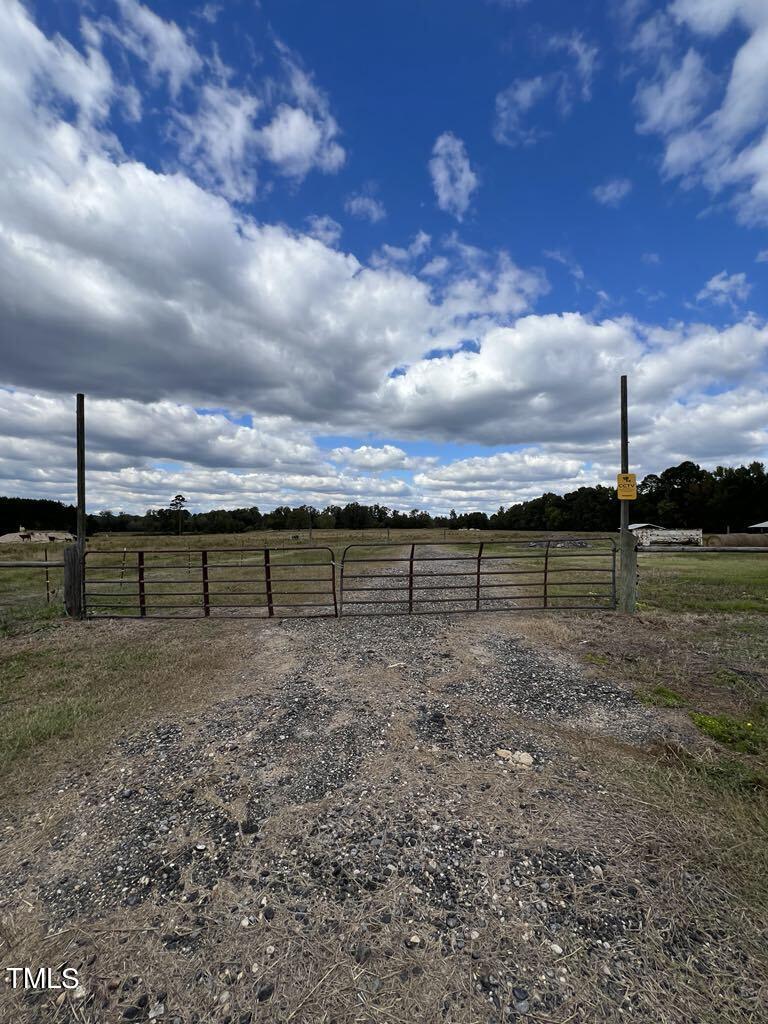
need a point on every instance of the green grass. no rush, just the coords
(661, 697)
(702, 583)
(48, 693)
(731, 777)
(597, 659)
(747, 735)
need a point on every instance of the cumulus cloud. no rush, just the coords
(324, 228)
(612, 192)
(724, 288)
(370, 457)
(365, 207)
(402, 255)
(453, 179)
(158, 297)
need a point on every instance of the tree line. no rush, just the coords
(681, 496)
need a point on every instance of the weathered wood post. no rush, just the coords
(74, 555)
(627, 491)
(73, 581)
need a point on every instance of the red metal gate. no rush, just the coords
(374, 579)
(456, 576)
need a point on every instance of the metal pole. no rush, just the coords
(410, 580)
(268, 583)
(206, 595)
(81, 473)
(627, 546)
(140, 577)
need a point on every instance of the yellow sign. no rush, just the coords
(626, 486)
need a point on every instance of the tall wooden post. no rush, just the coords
(81, 473)
(627, 546)
(74, 556)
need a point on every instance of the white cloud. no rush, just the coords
(295, 142)
(370, 457)
(402, 256)
(651, 258)
(365, 207)
(585, 55)
(155, 297)
(453, 179)
(725, 149)
(218, 140)
(512, 104)
(436, 267)
(210, 12)
(161, 44)
(324, 228)
(762, 256)
(725, 289)
(613, 192)
(674, 101)
(511, 126)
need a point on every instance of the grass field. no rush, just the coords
(718, 582)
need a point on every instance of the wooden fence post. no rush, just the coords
(627, 542)
(627, 572)
(73, 581)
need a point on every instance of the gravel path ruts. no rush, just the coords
(336, 839)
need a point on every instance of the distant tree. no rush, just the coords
(177, 505)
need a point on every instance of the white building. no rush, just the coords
(650, 533)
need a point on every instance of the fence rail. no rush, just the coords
(211, 582)
(376, 579)
(44, 565)
(497, 576)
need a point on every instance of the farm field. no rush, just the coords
(463, 818)
(667, 582)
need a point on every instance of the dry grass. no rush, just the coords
(67, 692)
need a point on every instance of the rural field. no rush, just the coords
(552, 816)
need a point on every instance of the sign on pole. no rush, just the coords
(626, 486)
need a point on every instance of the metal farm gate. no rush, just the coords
(372, 579)
(232, 582)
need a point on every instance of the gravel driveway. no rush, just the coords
(380, 820)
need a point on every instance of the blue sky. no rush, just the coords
(389, 251)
